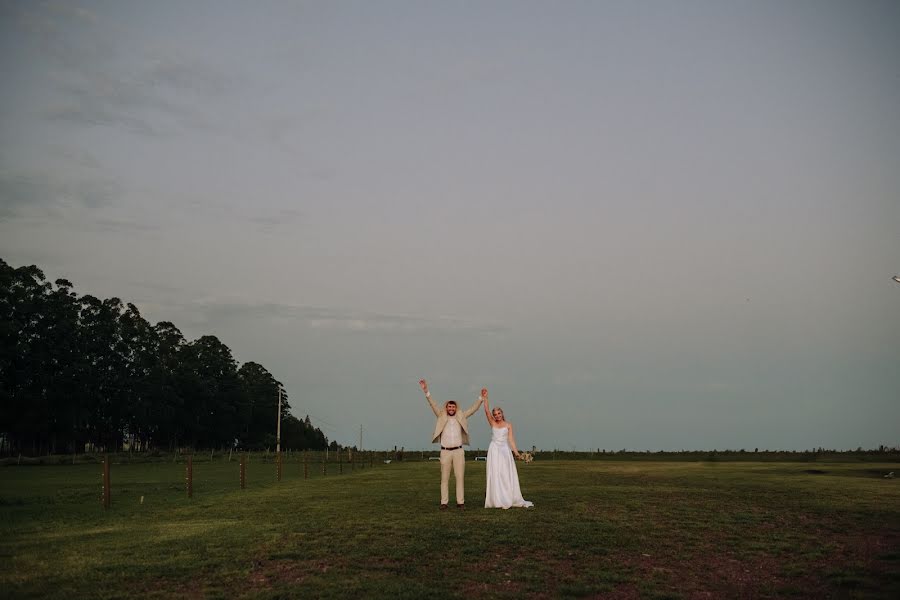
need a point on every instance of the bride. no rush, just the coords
(502, 478)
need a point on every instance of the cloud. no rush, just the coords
(28, 194)
(362, 322)
(104, 74)
(212, 311)
(103, 78)
(188, 76)
(79, 157)
(575, 378)
(94, 111)
(86, 203)
(146, 102)
(272, 222)
(127, 225)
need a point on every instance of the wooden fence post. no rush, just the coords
(243, 471)
(324, 466)
(189, 476)
(278, 466)
(107, 496)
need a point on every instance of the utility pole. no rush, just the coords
(278, 427)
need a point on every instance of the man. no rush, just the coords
(452, 430)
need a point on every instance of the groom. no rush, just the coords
(452, 429)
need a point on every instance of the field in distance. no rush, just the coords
(599, 529)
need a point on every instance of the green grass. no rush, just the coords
(629, 529)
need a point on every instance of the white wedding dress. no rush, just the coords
(502, 477)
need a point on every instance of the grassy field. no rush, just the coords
(599, 529)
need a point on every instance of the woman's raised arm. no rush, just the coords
(487, 409)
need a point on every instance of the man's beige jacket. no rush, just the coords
(461, 416)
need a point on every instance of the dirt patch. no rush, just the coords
(269, 573)
(164, 588)
(852, 562)
(507, 570)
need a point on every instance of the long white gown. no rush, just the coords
(502, 477)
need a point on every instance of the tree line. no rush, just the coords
(79, 372)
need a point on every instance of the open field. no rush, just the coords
(599, 529)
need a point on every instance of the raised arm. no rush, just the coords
(424, 385)
(512, 442)
(487, 409)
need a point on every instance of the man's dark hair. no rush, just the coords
(450, 402)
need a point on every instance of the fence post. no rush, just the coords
(243, 471)
(324, 466)
(340, 463)
(189, 476)
(278, 465)
(106, 498)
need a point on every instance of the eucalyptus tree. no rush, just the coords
(60, 351)
(168, 412)
(260, 406)
(208, 382)
(261, 410)
(24, 416)
(142, 358)
(103, 371)
(299, 434)
(80, 370)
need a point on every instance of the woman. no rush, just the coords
(502, 478)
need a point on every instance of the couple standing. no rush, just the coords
(452, 431)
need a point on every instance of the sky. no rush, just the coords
(640, 224)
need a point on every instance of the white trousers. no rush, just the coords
(455, 459)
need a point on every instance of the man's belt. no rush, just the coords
(456, 448)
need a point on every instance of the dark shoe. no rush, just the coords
(461, 506)
(443, 507)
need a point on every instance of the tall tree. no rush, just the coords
(260, 407)
(169, 412)
(104, 370)
(24, 357)
(78, 370)
(61, 334)
(208, 381)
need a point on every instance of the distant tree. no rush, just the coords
(145, 376)
(66, 418)
(80, 370)
(259, 407)
(24, 360)
(208, 382)
(167, 411)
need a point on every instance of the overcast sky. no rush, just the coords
(641, 224)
